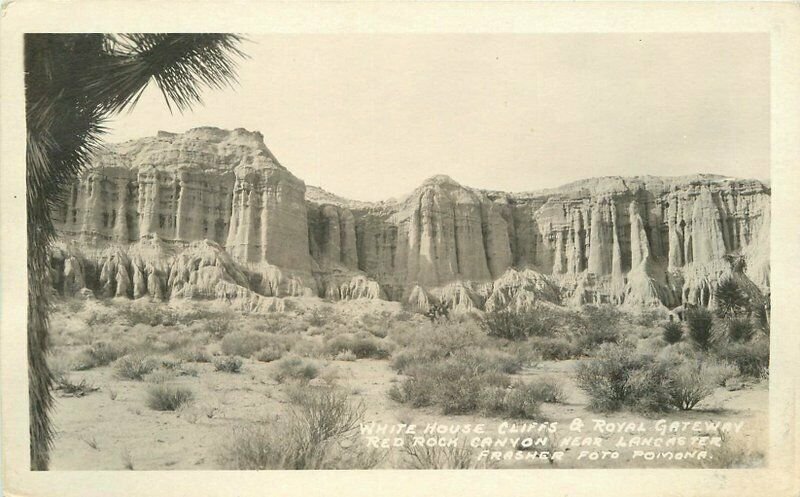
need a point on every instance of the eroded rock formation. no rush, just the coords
(212, 214)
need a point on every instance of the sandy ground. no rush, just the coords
(96, 432)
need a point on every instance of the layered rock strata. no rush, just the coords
(212, 214)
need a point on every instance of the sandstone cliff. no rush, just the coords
(212, 214)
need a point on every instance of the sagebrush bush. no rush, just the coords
(455, 383)
(700, 323)
(346, 355)
(362, 345)
(596, 326)
(228, 364)
(196, 353)
(167, 397)
(134, 366)
(555, 349)
(751, 359)
(99, 354)
(517, 324)
(672, 332)
(269, 354)
(546, 389)
(694, 380)
(320, 431)
(740, 329)
(244, 343)
(620, 377)
(295, 368)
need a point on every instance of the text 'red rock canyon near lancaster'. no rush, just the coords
(212, 214)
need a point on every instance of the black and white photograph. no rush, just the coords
(408, 251)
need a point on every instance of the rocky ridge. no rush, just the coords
(211, 213)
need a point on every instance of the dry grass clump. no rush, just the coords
(293, 367)
(99, 354)
(228, 364)
(362, 345)
(164, 396)
(134, 366)
(422, 456)
(320, 431)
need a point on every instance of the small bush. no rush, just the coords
(134, 366)
(517, 325)
(361, 346)
(672, 332)
(243, 343)
(555, 349)
(700, 323)
(295, 368)
(546, 389)
(456, 383)
(269, 354)
(98, 354)
(320, 431)
(197, 353)
(346, 355)
(740, 329)
(166, 397)
(750, 359)
(228, 364)
(694, 380)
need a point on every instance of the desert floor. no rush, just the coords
(112, 428)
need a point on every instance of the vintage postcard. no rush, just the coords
(315, 248)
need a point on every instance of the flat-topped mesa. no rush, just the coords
(133, 221)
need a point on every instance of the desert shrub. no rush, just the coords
(520, 402)
(150, 315)
(546, 389)
(98, 354)
(739, 329)
(134, 366)
(196, 353)
(694, 380)
(677, 378)
(295, 368)
(517, 325)
(320, 431)
(228, 364)
(555, 349)
(176, 340)
(672, 332)
(751, 359)
(595, 326)
(730, 300)
(269, 354)
(346, 355)
(700, 323)
(438, 311)
(648, 318)
(360, 345)
(454, 383)
(244, 343)
(218, 326)
(69, 388)
(616, 375)
(422, 456)
(167, 397)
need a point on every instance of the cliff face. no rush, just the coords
(211, 213)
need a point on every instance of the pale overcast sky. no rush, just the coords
(370, 116)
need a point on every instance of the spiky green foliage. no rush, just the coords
(701, 324)
(73, 83)
(730, 300)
